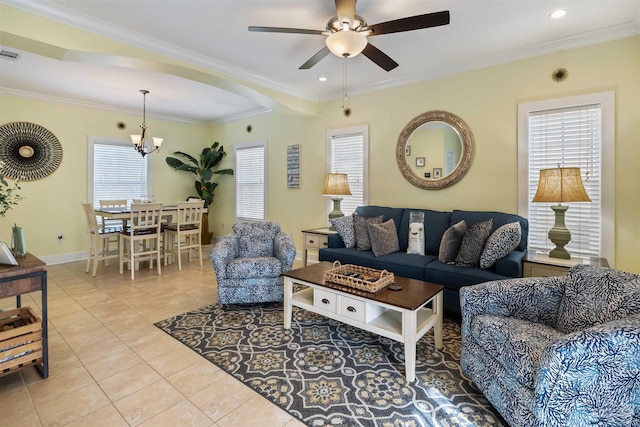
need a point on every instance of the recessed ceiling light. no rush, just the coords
(322, 79)
(557, 14)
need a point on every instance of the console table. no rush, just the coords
(315, 239)
(30, 275)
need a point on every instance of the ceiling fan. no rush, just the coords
(347, 33)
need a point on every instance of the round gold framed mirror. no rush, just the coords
(435, 150)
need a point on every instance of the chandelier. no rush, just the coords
(139, 140)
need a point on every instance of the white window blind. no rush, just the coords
(348, 154)
(569, 137)
(250, 181)
(117, 171)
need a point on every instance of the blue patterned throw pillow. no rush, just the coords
(344, 227)
(596, 295)
(472, 244)
(501, 242)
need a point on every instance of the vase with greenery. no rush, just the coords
(203, 168)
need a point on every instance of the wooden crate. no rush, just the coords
(20, 339)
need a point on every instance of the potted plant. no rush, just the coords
(203, 169)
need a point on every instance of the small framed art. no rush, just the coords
(420, 162)
(437, 173)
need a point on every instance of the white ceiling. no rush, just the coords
(213, 35)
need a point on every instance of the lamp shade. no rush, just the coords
(561, 185)
(336, 184)
(346, 43)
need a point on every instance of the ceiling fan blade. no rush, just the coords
(315, 59)
(284, 30)
(379, 57)
(345, 10)
(411, 23)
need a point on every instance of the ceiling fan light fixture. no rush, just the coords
(346, 44)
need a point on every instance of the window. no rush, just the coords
(250, 173)
(116, 171)
(348, 152)
(570, 132)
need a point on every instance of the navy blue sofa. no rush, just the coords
(427, 267)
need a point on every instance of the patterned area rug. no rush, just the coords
(326, 373)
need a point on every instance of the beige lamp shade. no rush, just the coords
(336, 184)
(561, 185)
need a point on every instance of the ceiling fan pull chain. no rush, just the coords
(344, 83)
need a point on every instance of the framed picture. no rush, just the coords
(437, 173)
(407, 150)
(420, 162)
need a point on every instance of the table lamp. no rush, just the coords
(560, 185)
(336, 184)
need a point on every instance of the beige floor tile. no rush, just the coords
(174, 361)
(72, 407)
(60, 382)
(255, 409)
(94, 335)
(105, 417)
(196, 377)
(184, 414)
(113, 364)
(95, 351)
(129, 381)
(148, 402)
(11, 382)
(15, 403)
(153, 348)
(27, 418)
(222, 397)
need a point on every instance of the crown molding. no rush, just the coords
(133, 38)
(240, 116)
(601, 36)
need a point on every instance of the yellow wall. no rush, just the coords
(487, 101)
(52, 204)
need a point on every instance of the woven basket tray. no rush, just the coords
(368, 279)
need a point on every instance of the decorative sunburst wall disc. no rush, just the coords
(28, 151)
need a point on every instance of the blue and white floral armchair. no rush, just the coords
(250, 261)
(556, 351)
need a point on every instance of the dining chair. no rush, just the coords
(141, 240)
(184, 234)
(99, 240)
(112, 223)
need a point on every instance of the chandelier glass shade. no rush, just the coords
(139, 140)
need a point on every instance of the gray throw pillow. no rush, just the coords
(344, 227)
(450, 243)
(472, 244)
(501, 242)
(384, 238)
(362, 232)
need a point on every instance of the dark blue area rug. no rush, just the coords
(326, 373)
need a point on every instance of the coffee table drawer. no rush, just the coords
(324, 300)
(351, 308)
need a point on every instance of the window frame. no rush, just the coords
(352, 130)
(607, 160)
(245, 146)
(92, 142)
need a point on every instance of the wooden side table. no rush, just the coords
(30, 275)
(540, 265)
(315, 239)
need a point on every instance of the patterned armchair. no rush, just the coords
(250, 261)
(556, 351)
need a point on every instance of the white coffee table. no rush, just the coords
(399, 315)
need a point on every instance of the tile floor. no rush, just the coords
(109, 366)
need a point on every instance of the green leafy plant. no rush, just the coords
(203, 169)
(9, 196)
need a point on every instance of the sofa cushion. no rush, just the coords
(595, 295)
(346, 256)
(500, 243)
(384, 238)
(472, 244)
(255, 239)
(360, 223)
(403, 264)
(499, 219)
(344, 227)
(256, 267)
(450, 243)
(515, 343)
(452, 276)
(435, 224)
